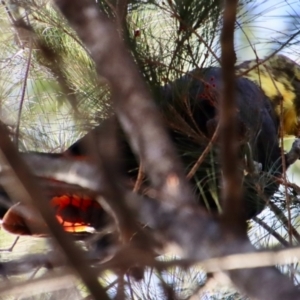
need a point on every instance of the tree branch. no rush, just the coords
(232, 179)
(34, 197)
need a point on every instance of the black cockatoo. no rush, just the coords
(190, 108)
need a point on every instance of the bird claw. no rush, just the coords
(257, 167)
(294, 153)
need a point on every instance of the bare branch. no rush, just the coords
(232, 179)
(34, 197)
(136, 111)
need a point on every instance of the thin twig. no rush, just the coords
(271, 231)
(59, 281)
(203, 154)
(23, 92)
(262, 61)
(232, 179)
(139, 179)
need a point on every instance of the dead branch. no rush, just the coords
(34, 197)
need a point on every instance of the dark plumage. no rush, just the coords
(190, 108)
